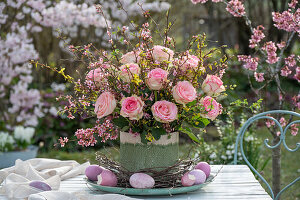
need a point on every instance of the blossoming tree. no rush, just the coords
(23, 23)
(270, 64)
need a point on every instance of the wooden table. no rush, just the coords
(232, 182)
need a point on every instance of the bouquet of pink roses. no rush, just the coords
(150, 90)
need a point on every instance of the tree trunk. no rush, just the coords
(276, 165)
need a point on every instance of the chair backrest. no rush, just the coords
(240, 139)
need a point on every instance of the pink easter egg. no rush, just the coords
(93, 171)
(199, 175)
(188, 179)
(141, 180)
(107, 178)
(205, 167)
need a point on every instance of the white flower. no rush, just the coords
(249, 138)
(5, 138)
(228, 152)
(23, 134)
(213, 155)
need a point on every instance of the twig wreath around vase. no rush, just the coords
(148, 95)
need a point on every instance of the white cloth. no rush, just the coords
(15, 180)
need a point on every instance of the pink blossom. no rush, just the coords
(259, 77)
(128, 71)
(236, 8)
(250, 63)
(283, 122)
(63, 141)
(278, 133)
(281, 45)
(257, 36)
(212, 85)
(156, 78)
(184, 92)
(296, 101)
(290, 61)
(294, 129)
(198, 1)
(270, 122)
(164, 111)
(124, 28)
(287, 20)
(211, 108)
(161, 53)
(293, 4)
(105, 104)
(106, 129)
(132, 107)
(130, 57)
(86, 137)
(271, 49)
(216, 1)
(285, 71)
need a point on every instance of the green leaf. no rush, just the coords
(125, 128)
(157, 132)
(121, 122)
(191, 103)
(189, 132)
(136, 129)
(198, 124)
(143, 137)
(205, 121)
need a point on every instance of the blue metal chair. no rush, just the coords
(240, 138)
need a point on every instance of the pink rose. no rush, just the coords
(128, 71)
(184, 92)
(130, 57)
(211, 106)
(212, 85)
(156, 78)
(164, 111)
(161, 53)
(132, 107)
(105, 104)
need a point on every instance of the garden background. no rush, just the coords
(43, 30)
